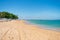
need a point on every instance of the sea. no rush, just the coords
(48, 24)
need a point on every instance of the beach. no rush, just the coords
(21, 30)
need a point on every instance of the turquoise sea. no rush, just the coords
(49, 23)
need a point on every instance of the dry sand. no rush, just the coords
(20, 30)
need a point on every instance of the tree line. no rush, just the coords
(8, 15)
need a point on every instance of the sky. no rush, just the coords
(32, 9)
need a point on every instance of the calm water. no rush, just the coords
(49, 23)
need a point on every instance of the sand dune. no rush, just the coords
(20, 30)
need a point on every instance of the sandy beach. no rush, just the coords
(20, 30)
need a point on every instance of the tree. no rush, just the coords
(8, 15)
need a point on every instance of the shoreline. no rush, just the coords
(46, 27)
(37, 25)
(22, 30)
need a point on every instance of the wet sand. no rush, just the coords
(20, 30)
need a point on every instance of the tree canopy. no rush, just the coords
(8, 15)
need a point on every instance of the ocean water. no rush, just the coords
(49, 23)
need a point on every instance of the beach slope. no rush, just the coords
(21, 30)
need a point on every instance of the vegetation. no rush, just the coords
(8, 15)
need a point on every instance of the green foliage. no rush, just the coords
(8, 15)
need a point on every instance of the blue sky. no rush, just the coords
(32, 9)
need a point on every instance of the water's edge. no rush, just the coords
(45, 26)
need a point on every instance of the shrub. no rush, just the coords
(8, 15)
